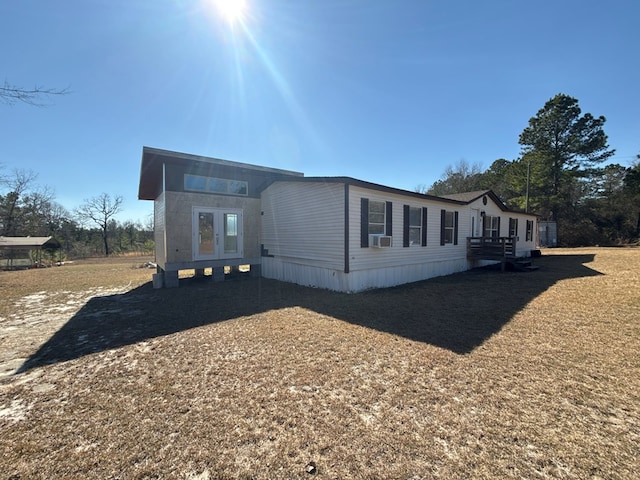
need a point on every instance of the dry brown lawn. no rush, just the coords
(484, 375)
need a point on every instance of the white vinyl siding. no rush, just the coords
(304, 223)
(398, 257)
(303, 235)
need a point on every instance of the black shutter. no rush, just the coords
(364, 222)
(424, 226)
(516, 229)
(455, 228)
(388, 227)
(498, 229)
(405, 226)
(443, 219)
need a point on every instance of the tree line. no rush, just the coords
(29, 209)
(562, 175)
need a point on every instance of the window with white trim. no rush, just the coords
(377, 220)
(415, 226)
(449, 227)
(529, 234)
(513, 227)
(491, 226)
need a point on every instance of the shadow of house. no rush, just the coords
(457, 312)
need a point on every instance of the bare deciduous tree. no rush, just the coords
(100, 211)
(12, 94)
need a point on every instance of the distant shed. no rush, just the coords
(16, 252)
(548, 234)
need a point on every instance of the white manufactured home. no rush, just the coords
(337, 233)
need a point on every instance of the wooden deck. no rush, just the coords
(491, 248)
(502, 249)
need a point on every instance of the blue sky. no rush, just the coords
(390, 92)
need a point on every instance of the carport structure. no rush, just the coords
(14, 251)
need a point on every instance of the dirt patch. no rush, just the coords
(478, 375)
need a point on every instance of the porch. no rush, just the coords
(502, 249)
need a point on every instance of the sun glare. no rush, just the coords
(231, 10)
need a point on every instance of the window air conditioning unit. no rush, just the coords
(379, 241)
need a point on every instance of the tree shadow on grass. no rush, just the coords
(457, 312)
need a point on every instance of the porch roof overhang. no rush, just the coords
(28, 243)
(154, 159)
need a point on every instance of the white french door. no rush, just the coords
(217, 233)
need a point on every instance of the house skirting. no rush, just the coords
(359, 280)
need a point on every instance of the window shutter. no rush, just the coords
(516, 229)
(455, 228)
(389, 223)
(498, 228)
(443, 215)
(364, 222)
(405, 225)
(424, 226)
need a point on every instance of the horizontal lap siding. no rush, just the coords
(303, 223)
(523, 247)
(369, 259)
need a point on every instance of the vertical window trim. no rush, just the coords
(405, 225)
(455, 227)
(388, 227)
(364, 222)
(424, 226)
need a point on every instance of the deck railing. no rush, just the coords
(491, 248)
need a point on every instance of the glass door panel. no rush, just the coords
(230, 233)
(206, 239)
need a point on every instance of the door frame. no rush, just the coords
(218, 233)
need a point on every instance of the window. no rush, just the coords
(194, 182)
(529, 235)
(491, 226)
(375, 219)
(415, 226)
(198, 183)
(448, 227)
(513, 227)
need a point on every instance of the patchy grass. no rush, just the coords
(477, 375)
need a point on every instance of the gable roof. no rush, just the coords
(16, 243)
(469, 197)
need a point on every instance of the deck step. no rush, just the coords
(523, 265)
